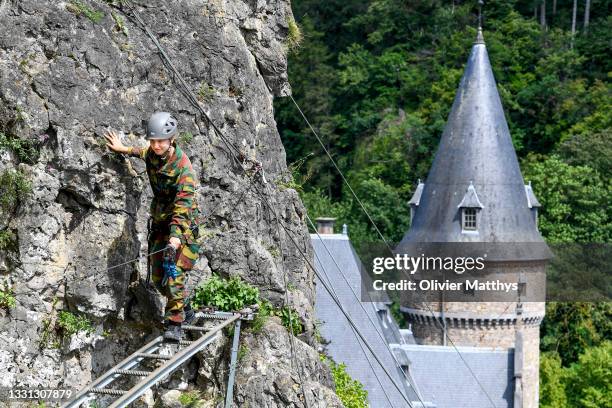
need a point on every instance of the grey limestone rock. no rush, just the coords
(64, 79)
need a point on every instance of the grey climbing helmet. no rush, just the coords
(161, 125)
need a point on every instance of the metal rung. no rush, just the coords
(194, 328)
(216, 315)
(134, 372)
(158, 356)
(108, 391)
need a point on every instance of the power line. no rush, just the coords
(354, 332)
(385, 241)
(358, 301)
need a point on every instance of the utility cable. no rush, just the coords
(329, 290)
(230, 146)
(358, 301)
(354, 332)
(384, 240)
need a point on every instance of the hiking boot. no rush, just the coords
(173, 332)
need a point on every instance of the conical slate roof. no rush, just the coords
(475, 148)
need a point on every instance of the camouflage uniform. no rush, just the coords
(174, 213)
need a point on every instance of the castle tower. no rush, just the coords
(475, 193)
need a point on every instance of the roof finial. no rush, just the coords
(479, 37)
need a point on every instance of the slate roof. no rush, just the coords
(445, 379)
(470, 199)
(476, 146)
(344, 345)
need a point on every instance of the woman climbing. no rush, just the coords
(174, 213)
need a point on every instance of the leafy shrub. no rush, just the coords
(69, 324)
(191, 399)
(7, 297)
(24, 149)
(350, 391)
(265, 311)
(13, 187)
(225, 294)
(291, 320)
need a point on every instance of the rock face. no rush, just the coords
(70, 70)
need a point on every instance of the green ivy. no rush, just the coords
(350, 391)
(225, 294)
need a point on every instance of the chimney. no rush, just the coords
(325, 225)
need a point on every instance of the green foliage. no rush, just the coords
(242, 353)
(552, 392)
(574, 200)
(69, 324)
(350, 392)
(291, 320)
(7, 297)
(225, 294)
(587, 383)
(80, 8)
(205, 92)
(265, 311)
(120, 23)
(185, 137)
(191, 399)
(361, 62)
(589, 149)
(294, 179)
(7, 239)
(569, 328)
(294, 35)
(14, 186)
(24, 149)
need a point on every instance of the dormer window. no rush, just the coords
(469, 219)
(470, 207)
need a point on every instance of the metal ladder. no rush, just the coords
(151, 352)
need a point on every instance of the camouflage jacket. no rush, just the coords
(173, 183)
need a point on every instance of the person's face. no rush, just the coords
(160, 147)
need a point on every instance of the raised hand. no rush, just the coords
(114, 143)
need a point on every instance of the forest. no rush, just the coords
(377, 79)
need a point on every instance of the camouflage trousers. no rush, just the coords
(186, 257)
